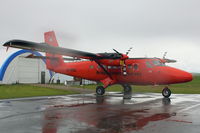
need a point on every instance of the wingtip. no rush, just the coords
(7, 44)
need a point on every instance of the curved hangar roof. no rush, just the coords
(11, 57)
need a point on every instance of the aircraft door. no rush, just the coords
(43, 77)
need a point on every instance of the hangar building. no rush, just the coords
(18, 69)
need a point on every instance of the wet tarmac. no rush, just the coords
(144, 113)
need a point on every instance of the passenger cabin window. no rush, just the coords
(129, 66)
(91, 67)
(135, 66)
(105, 67)
(148, 64)
(113, 67)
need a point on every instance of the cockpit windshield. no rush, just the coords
(158, 63)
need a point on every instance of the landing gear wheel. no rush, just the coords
(127, 88)
(100, 90)
(166, 92)
(127, 91)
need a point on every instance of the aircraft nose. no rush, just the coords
(186, 77)
(181, 76)
(177, 76)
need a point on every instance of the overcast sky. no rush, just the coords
(151, 27)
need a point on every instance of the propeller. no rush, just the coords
(129, 50)
(168, 60)
(164, 55)
(122, 60)
(117, 52)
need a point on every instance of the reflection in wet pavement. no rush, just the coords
(106, 114)
(101, 117)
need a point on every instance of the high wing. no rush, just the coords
(44, 47)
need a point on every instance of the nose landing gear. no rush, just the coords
(166, 92)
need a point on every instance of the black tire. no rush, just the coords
(100, 90)
(127, 91)
(166, 92)
(127, 88)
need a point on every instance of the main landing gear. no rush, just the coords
(127, 91)
(166, 92)
(100, 90)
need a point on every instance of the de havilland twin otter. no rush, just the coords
(107, 68)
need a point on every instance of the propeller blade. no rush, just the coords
(170, 61)
(129, 50)
(164, 55)
(117, 52)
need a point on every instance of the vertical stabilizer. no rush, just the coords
(50, 38)
(52, 64)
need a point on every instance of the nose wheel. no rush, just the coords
(166, 92)
(100, 90)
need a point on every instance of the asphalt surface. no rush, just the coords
(144, 113)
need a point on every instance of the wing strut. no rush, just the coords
(109, 75)
(108, 80)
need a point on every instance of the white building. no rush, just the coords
(18, 69)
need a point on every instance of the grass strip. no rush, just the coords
(24, 90)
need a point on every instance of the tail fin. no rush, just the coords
(50, 39)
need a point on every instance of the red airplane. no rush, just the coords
(107, 68)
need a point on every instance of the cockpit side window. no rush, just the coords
(158, 63)
(148, 64)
